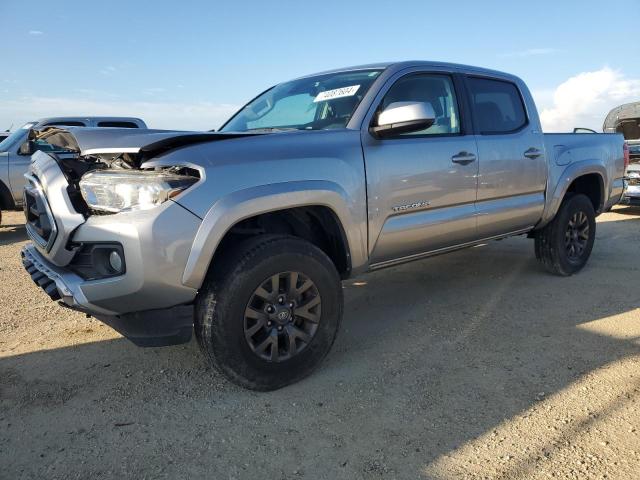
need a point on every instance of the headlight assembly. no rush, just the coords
(124, 190)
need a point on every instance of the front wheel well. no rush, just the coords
(592, 186)
(6, 199)
(316, 224)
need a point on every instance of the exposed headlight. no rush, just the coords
(118, 190)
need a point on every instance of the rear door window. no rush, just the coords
(65, 124)
(497, 105)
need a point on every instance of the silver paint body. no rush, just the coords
(397, 199)
(13, 165)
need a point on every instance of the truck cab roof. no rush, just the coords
(393, 67)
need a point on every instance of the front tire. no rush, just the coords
(564, 245)
(269, 312)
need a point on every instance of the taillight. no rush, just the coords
(625, 153)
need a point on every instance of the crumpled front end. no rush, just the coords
(124, 268)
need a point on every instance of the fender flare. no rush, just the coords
(235, 207)
(571, 173)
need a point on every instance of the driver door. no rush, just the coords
(422, 185)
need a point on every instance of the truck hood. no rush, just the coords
(141, 144)
(624, 119)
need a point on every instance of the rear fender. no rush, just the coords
(571, 173)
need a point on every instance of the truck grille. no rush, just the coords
(40, 224)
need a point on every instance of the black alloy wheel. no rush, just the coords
(576, 237)
(282, 316)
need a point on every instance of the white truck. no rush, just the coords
(625, 119)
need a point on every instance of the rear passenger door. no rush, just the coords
(512, 167)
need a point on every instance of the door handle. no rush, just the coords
(463, 158)
(533, 153)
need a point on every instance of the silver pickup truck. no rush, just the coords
(244, 235)
(15, 153)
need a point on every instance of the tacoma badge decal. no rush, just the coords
(411, 206)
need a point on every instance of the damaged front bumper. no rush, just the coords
(147, 328)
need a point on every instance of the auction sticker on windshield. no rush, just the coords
(336, 93)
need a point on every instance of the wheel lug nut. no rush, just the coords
(280, 328)
(269, 324)
(280, 300)
(270, 309)
(290, 304)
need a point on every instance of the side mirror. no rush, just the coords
(26, 148)
(404, 117)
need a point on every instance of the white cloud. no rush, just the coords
(153, 90)
(36, 32)
(165, 115)
(530, 52)
(108, 70)
(585, 99)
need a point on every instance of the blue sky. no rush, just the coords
(189, 64)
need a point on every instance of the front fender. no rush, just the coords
(564, 181)
(237, 206)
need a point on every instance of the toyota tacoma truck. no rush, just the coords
(244, 235)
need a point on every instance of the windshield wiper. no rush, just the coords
(271, 129)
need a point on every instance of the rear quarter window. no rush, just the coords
(118, 124)
(497, 105)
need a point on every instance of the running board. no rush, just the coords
(440, 251)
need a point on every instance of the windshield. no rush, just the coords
(322, 102)
(17, 134)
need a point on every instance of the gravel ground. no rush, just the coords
(471, 365)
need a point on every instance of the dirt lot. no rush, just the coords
(472, 365)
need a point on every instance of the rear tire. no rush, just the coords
(241, 308)
(564, 245)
